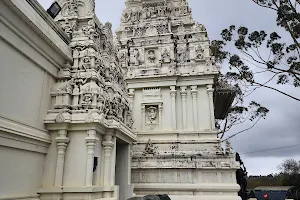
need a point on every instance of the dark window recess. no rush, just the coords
(95, 164)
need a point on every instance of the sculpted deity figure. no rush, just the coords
(151, 31)
(136, 54)
(228, 147)
(86, 100)
(152, 114)
(151, 56)
(72, 7)
(126, 16)
(199, 52)
(147, 13)
(108, 77)
(166, 58)
(135, 16)
(181, 55)
(198, 27)
(150, 149)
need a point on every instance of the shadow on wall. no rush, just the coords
(152, 197)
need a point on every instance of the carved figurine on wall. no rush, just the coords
(135, 16)
(150, 149)
(147, 13)
(72, 7)
(126, 16)
(228, 149)
(152, 115)
(136, 54)
(86, 100)
(199, 52)
(166, 58)
(151, 56)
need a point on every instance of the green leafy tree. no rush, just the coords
(249, 67)
(290, 171)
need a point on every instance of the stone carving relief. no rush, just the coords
(228, 149)
(152, 113)
(149, 149)
(199, 28)
(76, 8)
(199, 52)
(137, 57)
(95, 82)
(151, 31)
(166, 57)
(182, 54)
(151, 56)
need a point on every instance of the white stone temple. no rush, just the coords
(86, 115)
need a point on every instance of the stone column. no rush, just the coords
(173, 105)
(183, 93)
(108, 145)
(131, 97)
(160, 107)
(210, 92)
(61, 142)
(144, 117)
(195, 106)
(91, 143)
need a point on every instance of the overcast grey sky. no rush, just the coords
(281, 128)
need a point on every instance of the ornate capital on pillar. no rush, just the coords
(173, 91)
(62, 140)
(91, 139)
(108, 143)
(131, 93)
(194, 91)
(183, 90)
(210, 91)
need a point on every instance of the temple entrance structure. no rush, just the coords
(171, 78)
(130, 115)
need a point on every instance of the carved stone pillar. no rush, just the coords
(144, 116)
(173, 106)
(131, 97)
(210, 92)
(194, 92)
(76, 94)
(160, 107)
(183, 93)
(61, 142)
(108, 145)
(91, 143)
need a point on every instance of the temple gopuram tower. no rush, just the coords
(90, 120)
(171, 77)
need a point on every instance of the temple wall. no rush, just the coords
(203, 114)
(20, 172)
(24, 86)
(29, 62)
